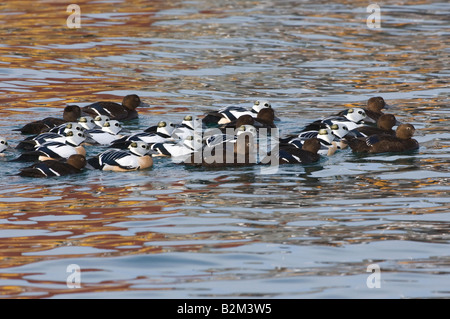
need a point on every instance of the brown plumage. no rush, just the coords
(115, 111)
(290, 154)
(385, 123)
(73, 165)
(71, 113)
(382, 143)
(240, 152)
(375, 107)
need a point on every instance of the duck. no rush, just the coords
(177, 150)
(351, 118)
(73, 165)
(384, 143)
(162, 127)
(70, 114)
(245, 119)
(213, 137)
(106, 135)
(69, 126)
(57, 134)
(239, 151)
(99, 120)
(335, 135)
(340, 131)
(161, 135)
(232, 113)
(4, 145)
(115, 111)
(264, 119)
(136, 157)
(188, 127)
(56, 150)
(290, 154)
(375, 107)
(327, 139)
(32, 142)
(87, 123)
(385, 124)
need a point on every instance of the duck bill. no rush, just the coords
(89, 141)
(388, 106)
(369, 120)
(143, 104)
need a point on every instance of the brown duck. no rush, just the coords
(115, 111)
(382, 143)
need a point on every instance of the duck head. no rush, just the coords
(112, 127)
(356, 115)
(139, 148)
(339, 129)
(260, 104)
(132, 101)
(326, 135)
(377, 104)
(405, 131)
(74, 137)
(87, 122)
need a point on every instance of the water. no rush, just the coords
(177, 232)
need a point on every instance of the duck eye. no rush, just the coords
(3, 142)
(117, 124)
(345, 128)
